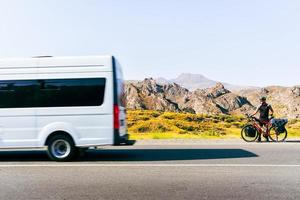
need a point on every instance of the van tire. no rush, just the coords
(61, 148)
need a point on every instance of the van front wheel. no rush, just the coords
(61, 148)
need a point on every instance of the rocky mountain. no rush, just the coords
(151, 95)
(198, 81)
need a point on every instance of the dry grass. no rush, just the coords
(167, 125)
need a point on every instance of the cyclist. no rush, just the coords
(265, 110)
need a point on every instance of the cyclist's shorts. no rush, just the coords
(263, 122)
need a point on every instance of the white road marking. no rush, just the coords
(147, 165)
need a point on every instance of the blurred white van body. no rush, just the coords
(63, 103)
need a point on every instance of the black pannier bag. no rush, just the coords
(250, 131)
(279, 125)
(280, 129)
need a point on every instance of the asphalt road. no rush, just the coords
(213, 170)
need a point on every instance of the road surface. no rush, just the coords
(212, 170)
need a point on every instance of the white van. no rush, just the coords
(63, 103)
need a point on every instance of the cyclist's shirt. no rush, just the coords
(264, 111)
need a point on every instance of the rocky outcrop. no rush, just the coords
(217, 91)
(284, 100)
(149, 94)
(296, 91)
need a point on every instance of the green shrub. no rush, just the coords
(151, 126)
(168, 115)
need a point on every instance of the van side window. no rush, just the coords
(71, 92)
(52, 93)
(18, 94)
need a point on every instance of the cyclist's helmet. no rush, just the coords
(263, 98)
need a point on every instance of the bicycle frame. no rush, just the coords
(259, 128)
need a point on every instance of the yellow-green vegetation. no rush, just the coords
(293, 128)
(144, 124)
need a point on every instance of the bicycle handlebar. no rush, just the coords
(254, 118)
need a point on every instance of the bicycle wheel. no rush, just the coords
(278, 137)
(249, 133)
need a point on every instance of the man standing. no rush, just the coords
(265, 110)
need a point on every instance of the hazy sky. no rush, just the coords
(242, 42)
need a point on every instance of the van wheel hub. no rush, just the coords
(60, 148)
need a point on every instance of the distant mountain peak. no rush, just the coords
(190, 75)
(198, 81)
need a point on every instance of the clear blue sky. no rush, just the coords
(249, 42)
